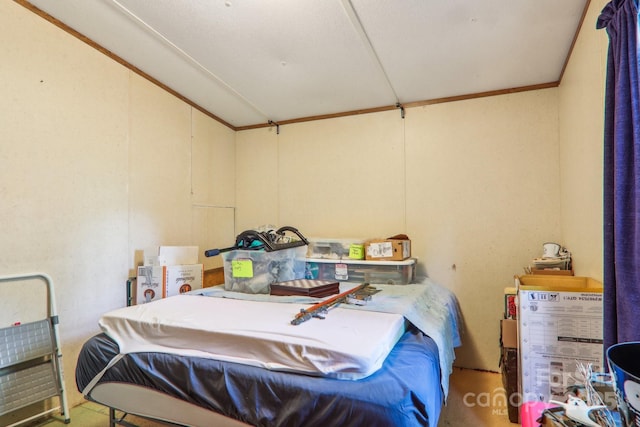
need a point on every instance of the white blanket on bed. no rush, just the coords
(346, 345)
(430, 307)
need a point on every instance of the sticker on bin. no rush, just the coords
(342, 272)
(356, 251)
(242, 268)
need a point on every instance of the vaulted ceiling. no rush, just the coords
(249, 62)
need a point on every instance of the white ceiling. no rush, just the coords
(249, 62)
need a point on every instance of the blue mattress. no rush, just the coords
(406, 391)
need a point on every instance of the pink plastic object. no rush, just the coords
(531, 411)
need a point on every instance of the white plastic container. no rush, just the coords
(327, 248)
(360, 271)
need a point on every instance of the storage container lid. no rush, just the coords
(408, 261)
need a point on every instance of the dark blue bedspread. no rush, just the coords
(406, 391)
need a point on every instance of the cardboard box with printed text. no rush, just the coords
(149, 284)
(387, 250)
(183, 278)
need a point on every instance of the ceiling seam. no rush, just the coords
(357, 25)
(405, 106)
(186, 56)
(410, 104)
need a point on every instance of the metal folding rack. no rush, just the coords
(31, 360)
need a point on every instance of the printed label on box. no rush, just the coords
(558, 330)
(380, 250)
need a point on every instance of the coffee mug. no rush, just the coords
(550, 250)
(624, 364)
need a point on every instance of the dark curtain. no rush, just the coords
(621, 175)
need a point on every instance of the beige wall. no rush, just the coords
(478, 205)
(479, 185)
(327, 178)
(462, 179)
(96, 164)
(581, 150)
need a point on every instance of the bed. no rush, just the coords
(220, 358)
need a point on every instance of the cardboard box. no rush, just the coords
(387, 250)
(149, 284)
(510, 382)
(552, 272)
(178, 255)
(509, 366)
(510, 304)
(509, 333)
(560, 327)
(535, 282)
(183, 278)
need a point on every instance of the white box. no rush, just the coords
(559, 327)
(183, 278)
(149, 284)
(178, 255)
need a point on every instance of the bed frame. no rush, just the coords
(155, 406)
(191, 390)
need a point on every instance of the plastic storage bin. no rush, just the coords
(326, 248)
(358, 271)
(253, 272)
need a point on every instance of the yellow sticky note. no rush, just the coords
(242, 268)
(356, 251)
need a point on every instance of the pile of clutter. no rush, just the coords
(555, 258)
